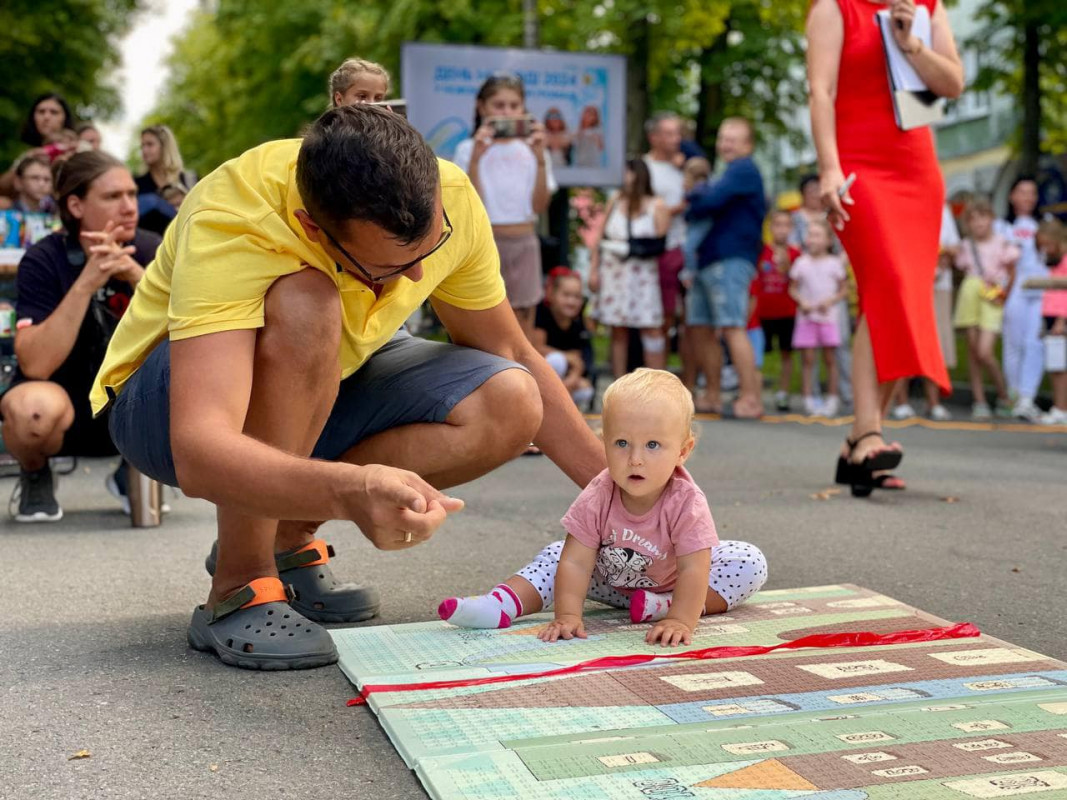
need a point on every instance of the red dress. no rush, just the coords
(892, 238)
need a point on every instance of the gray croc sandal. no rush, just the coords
(315, 592)
(255, 628)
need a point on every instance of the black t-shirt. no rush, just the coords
(575, 337)
(45, 275)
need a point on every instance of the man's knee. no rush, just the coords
(507, 408)
(302, 322)
(37, 406)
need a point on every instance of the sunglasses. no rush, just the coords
(445, 235)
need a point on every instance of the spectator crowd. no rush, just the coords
(688, 257)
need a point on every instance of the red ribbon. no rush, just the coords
(961, 630)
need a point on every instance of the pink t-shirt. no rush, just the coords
(995, 255)
(818, 278)
(641, 552)
(1054, 303)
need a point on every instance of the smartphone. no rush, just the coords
(397, 105)
(511, 127)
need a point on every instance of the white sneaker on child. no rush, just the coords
(1025, 409)
(781, 400)
(981, 412)
(1055, 416)
(831, 406)
(940, 414)
(648, 606)
(903, 411)
(812, 406)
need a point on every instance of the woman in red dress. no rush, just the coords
(890, 218)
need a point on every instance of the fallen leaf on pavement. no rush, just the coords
(80, 754)
(825, 494)
(950, 499)
(1016, 569)
(214, 768)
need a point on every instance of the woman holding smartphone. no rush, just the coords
(889, 218)
(507, 164)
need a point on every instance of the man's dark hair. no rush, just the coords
(74, 178)
(364, 162)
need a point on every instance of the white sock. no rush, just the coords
(493, 610)
(648, 606)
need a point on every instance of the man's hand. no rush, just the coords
(564, 626)
(670, 633)
(107, 259)
(388, 504)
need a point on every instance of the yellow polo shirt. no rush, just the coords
(236, 234)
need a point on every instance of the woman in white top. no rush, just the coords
(1024, 354)
(514, 179)
(628, 293)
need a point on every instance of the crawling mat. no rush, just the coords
(782, 698)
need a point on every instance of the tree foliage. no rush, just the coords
(1024, 55)
(69, 47)
(249, 71)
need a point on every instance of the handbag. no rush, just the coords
(644, 246)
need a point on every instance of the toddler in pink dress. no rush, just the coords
(639, 536)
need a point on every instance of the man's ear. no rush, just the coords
(311, 230)
(75, 206)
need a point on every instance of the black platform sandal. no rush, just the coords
(860, 477)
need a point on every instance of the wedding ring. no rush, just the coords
(407, 537)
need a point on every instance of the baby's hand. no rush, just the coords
(670, 633)
(565, 626)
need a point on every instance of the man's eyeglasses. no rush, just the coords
(445, 235)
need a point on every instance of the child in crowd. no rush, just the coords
(358, 81)
(695, 171)
(561, 335)
(988, 260)
(1052, 243)
(640, 536)
(817, 284)
(1024, 357)
(775, 306)
(174, 193)
(32, 216)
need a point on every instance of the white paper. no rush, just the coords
(904, 74)
(1055, 353)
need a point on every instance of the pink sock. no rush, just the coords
(648, 606)
(493, 610)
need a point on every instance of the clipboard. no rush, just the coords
(914, 105)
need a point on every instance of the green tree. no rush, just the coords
(66, 47)
(247, 71)
(1024, 54)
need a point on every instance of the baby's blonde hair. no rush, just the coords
(346, 74)
(652, 389)
(697, 168)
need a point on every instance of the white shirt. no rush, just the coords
(668, 184)
(507, 174)
(950, 237)
(1023, 233)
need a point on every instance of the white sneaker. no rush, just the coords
(729, 379)
(981, 412)
(1055, 416)
(781, 401)
(831, 405)
(812, 406)
(1025, 409)
(903, 411)
(940, 414)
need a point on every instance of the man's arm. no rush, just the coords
(211, 385)
(707, 200)
(564, 436)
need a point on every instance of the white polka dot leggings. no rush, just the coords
(738, 571)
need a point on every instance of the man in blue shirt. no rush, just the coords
(718, 302)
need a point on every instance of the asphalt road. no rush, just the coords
(92, 640)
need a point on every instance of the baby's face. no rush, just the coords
(643, 448)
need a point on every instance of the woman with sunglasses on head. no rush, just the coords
(508, 165)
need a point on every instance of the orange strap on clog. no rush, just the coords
(255, 593)
(312, 554)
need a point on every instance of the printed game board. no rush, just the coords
(955, 718)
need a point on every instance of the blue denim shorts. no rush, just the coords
(407, 381)
(719, 297)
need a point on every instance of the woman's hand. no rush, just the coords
(483, 139)
(830, 183)
(536, 140)
(902, 14)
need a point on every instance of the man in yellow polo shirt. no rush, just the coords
(261, 365)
